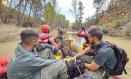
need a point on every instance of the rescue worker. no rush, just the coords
(83, 34)
(45, 36)
(25, 64)
(104, 57)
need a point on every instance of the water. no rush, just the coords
(8, 47)
(125, 44)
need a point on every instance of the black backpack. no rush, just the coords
(75, 69)
(121, 57)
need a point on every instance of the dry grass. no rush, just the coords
(9, 32)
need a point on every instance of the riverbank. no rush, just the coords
(9, 32)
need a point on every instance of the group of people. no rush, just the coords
(34, 57)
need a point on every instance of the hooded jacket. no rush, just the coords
(26, 64)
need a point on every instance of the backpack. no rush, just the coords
(121, 57)
(75, 69)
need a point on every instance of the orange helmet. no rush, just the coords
(45, 28)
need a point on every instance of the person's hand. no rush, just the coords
(67, 59)
(74, 58)
(59, 51)
(58, 55)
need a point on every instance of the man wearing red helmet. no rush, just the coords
(46, 38)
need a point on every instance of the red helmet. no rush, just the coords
(45, 28)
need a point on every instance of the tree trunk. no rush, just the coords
(24, 11)
(19, 7)
(37, 8)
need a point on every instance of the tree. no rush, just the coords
(93, 20)
(34, 11)
(77, 11)
(81, 8)
(98, 4)
(48, 12)
(58, 20)
(74, 8)
(37, 10)
(53, 2)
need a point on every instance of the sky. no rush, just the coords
(65, 5)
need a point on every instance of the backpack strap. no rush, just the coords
(49, 42)
(125, 71)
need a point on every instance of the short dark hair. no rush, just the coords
(28, 35)
(96, 33)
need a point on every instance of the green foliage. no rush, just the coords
(48, 12)
(75, 25)
(53, 18)
(93, 20)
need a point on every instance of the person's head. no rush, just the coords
(29, 37)
(95, 36)
(45, 28)
(92, 28)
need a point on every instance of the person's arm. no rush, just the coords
(37, 63)
(99, 60)
(91, 67)
(57, 45)
(81, 34)
(43, 46)
(88, 49)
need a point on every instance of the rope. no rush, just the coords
(78, 69)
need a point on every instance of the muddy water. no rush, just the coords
(125, 44)
(121, 42)
(8, 47)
